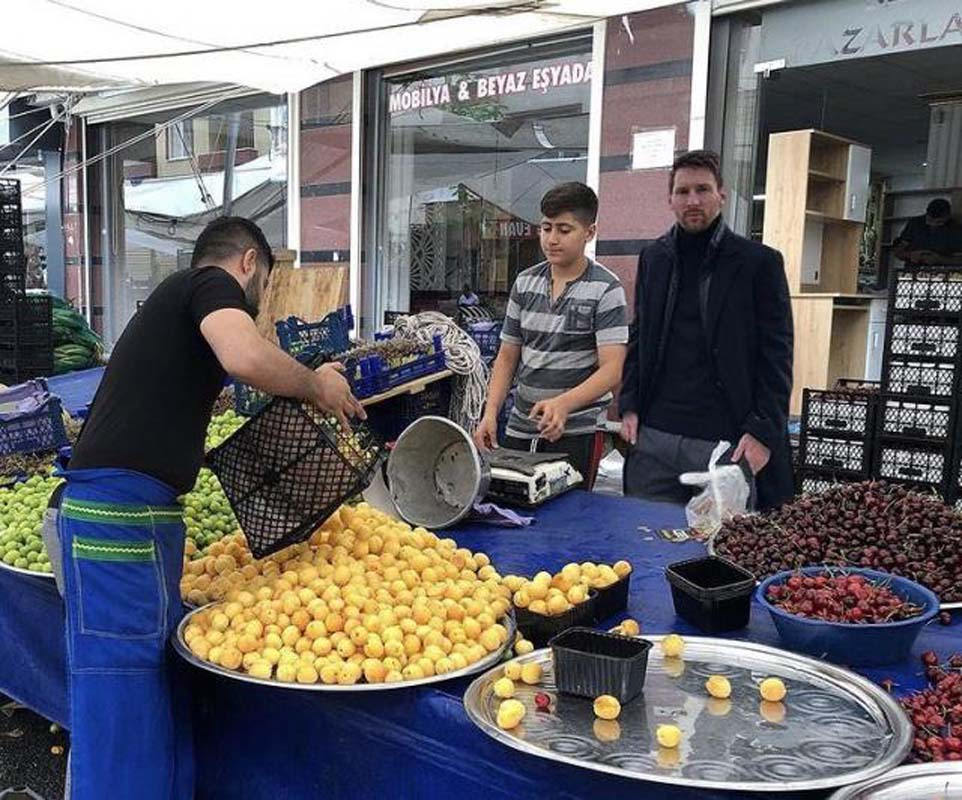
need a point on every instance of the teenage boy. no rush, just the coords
(564, 339)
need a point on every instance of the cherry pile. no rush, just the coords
(840, 598)
(936, 712)
(871, 524)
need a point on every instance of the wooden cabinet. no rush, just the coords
(816, 196)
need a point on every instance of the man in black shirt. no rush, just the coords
(710, 353)
(932, 238)
(120, 534)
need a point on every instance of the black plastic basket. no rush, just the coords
(612, 599)
(914, 419)
(288, 469)
(923, 340)
(713, 594)
(926, 290)
(589, 663)
(840, 411)
(903, 462)
(539, 629)
(814, 482)
(919, 378)
(9, 190)
(829, 452)
(35, 320)
(391, 417)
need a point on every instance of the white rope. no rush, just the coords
(462, 357)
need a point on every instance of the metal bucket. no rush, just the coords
(435, 473)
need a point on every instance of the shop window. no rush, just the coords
(158, 198)
(467, 152)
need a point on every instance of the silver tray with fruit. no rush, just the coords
(832, 727)
(44, 576)
(188, 655)
(937, 781)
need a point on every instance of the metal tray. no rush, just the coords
(941, 781)
(44, 576)
(838, 728)
(711, 551)
(177, 639)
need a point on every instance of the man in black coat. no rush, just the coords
(710, 353)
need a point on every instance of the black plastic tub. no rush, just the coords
(711, 593)
(612, 599)
(589, 663)
(539, 629)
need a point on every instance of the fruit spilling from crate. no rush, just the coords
(870, 524)
(367, 599)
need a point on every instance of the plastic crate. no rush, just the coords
(838, 411)
(846, 455)
(488, 341)
(330, 335)
(927, 289)
(919, 378)
(912, 463)
(923, 340)
(371, 375)
(904, 417)
(589, 663)
(35, 320)
(862, 385)
(812, 482)
(11, 220)
(9, 190)
(34, 431)
(12, 262)
(391, 417)
(288, 469)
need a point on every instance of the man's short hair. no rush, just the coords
(697, 159)
(938, 209)
(227, 237)
(573, 197)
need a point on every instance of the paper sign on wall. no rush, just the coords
(653, 149)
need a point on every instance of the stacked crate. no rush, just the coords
(26, 321)
(836, 437)
(918, 409)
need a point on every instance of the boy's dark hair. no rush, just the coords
(226, 237)
(575, 198)
(939, 209)
(697, 159)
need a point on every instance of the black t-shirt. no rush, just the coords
(687, 399)
(154, 403)
(942, 239)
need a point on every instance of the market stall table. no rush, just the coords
(257, 742)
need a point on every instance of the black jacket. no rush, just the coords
(747, 314)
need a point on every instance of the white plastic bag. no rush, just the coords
(725, 494)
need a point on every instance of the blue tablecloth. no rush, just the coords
(76, 390)
(258, 742)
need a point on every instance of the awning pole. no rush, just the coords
(85, 221)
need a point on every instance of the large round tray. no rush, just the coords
(940, 781)
(44, 576)
(485, 663)
(838, 727)
(710, 544)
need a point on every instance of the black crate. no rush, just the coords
(713, 594)
(920, 463)
(288, 469)
(9, 190)
(831, 453)
(11, 240)
(861, 385)
(35, 321)
(11, 217)
(919, 378)
(842, 412)
(916, 419)
(391, 417)
(927, 341)
(813, 482)
(926, 290)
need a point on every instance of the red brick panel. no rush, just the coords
(649, 37)
(326, 155)
(634, 205)
(326, 223)
(650, 104)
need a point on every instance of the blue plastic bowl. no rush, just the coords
(848, 643)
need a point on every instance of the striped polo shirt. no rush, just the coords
(559, 340)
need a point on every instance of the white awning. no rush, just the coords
(280, 46)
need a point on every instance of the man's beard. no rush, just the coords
(252, 294)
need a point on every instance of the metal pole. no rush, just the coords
(233, 126)
(357, 193)
(85, 221)
(294, 178)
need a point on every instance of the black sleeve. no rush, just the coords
(773, 378)
(211, 289)
(909, 233)
(628, 398)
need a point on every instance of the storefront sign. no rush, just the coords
(445, 92)
(508, 229)
(833, 30)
